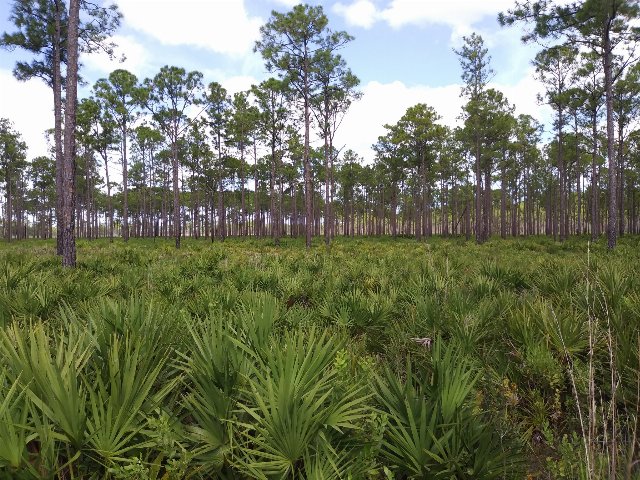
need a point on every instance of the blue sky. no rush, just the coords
(402, 53)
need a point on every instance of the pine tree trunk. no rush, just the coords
(488, 206)
(176, 187)
(562, 197)
(503, 201)
(256, 209)
(57, 111)
(595, 207)
(8, 205)
(125, 188)
(579, 204)
(222, 227)
(308, 192)
(68, 177)
(478, 217)
(243, 200)
(621, 222)
(612, 226)
(327, 221)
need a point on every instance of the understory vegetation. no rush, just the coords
(376, 359)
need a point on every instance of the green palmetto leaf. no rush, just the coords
(119, 398)
(51, 374)
(256, 316)
(328, 463)
(292, 406)
(14, 431)
(214, 368)
(409, 435)
(432, 432)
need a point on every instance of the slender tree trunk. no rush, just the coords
(503, 200)
(68, 178)
(125, 188)
(243, 200)
(514, 210)
(256, 209)
(562, 177)
(8, 205)
(332, 213)
(57, 111)
(467, 220)
(308, 193)
(176, 186)
(595, 207)
(327, 221)
(294, 201)
(417, 214)
(275, 224)
(109, 198)
(222, 227)
(394, 207)
(89, 166)
(621, 223)
(612, 228)
(579, 203)
(488, 205)
(478, 217)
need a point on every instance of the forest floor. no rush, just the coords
(376, 358)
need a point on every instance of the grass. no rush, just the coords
(374, 359)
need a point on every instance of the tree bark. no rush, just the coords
(176, 188)
(478, 217)
(503, 201)
(621, 223)
(308, 193)
(125, 187)
(595, 208)
(57, 113)
(68, 177)
(561, 178)
(612, 224)
(327, 221)
(488, 206)
(8, 205)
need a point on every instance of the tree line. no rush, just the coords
(170, 156)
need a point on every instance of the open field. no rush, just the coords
(376, 359)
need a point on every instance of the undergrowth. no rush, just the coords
(375, 359)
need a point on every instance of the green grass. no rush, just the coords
(247, 360)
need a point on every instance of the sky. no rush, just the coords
(403, 54)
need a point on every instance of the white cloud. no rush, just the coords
(136, 57)
(523, 95)
(288, 3)
(385, 103)
(29, 105)
(460, 15)
(238, 83)
(223, 26)
(361, 13)
(232, 83)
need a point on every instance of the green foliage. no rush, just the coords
(373, 360)
(433, 431)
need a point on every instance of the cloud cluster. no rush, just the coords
(385, 103)
(460, 15)
(223, 26)
(29, 105)
(135, 55)
(360, 13)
